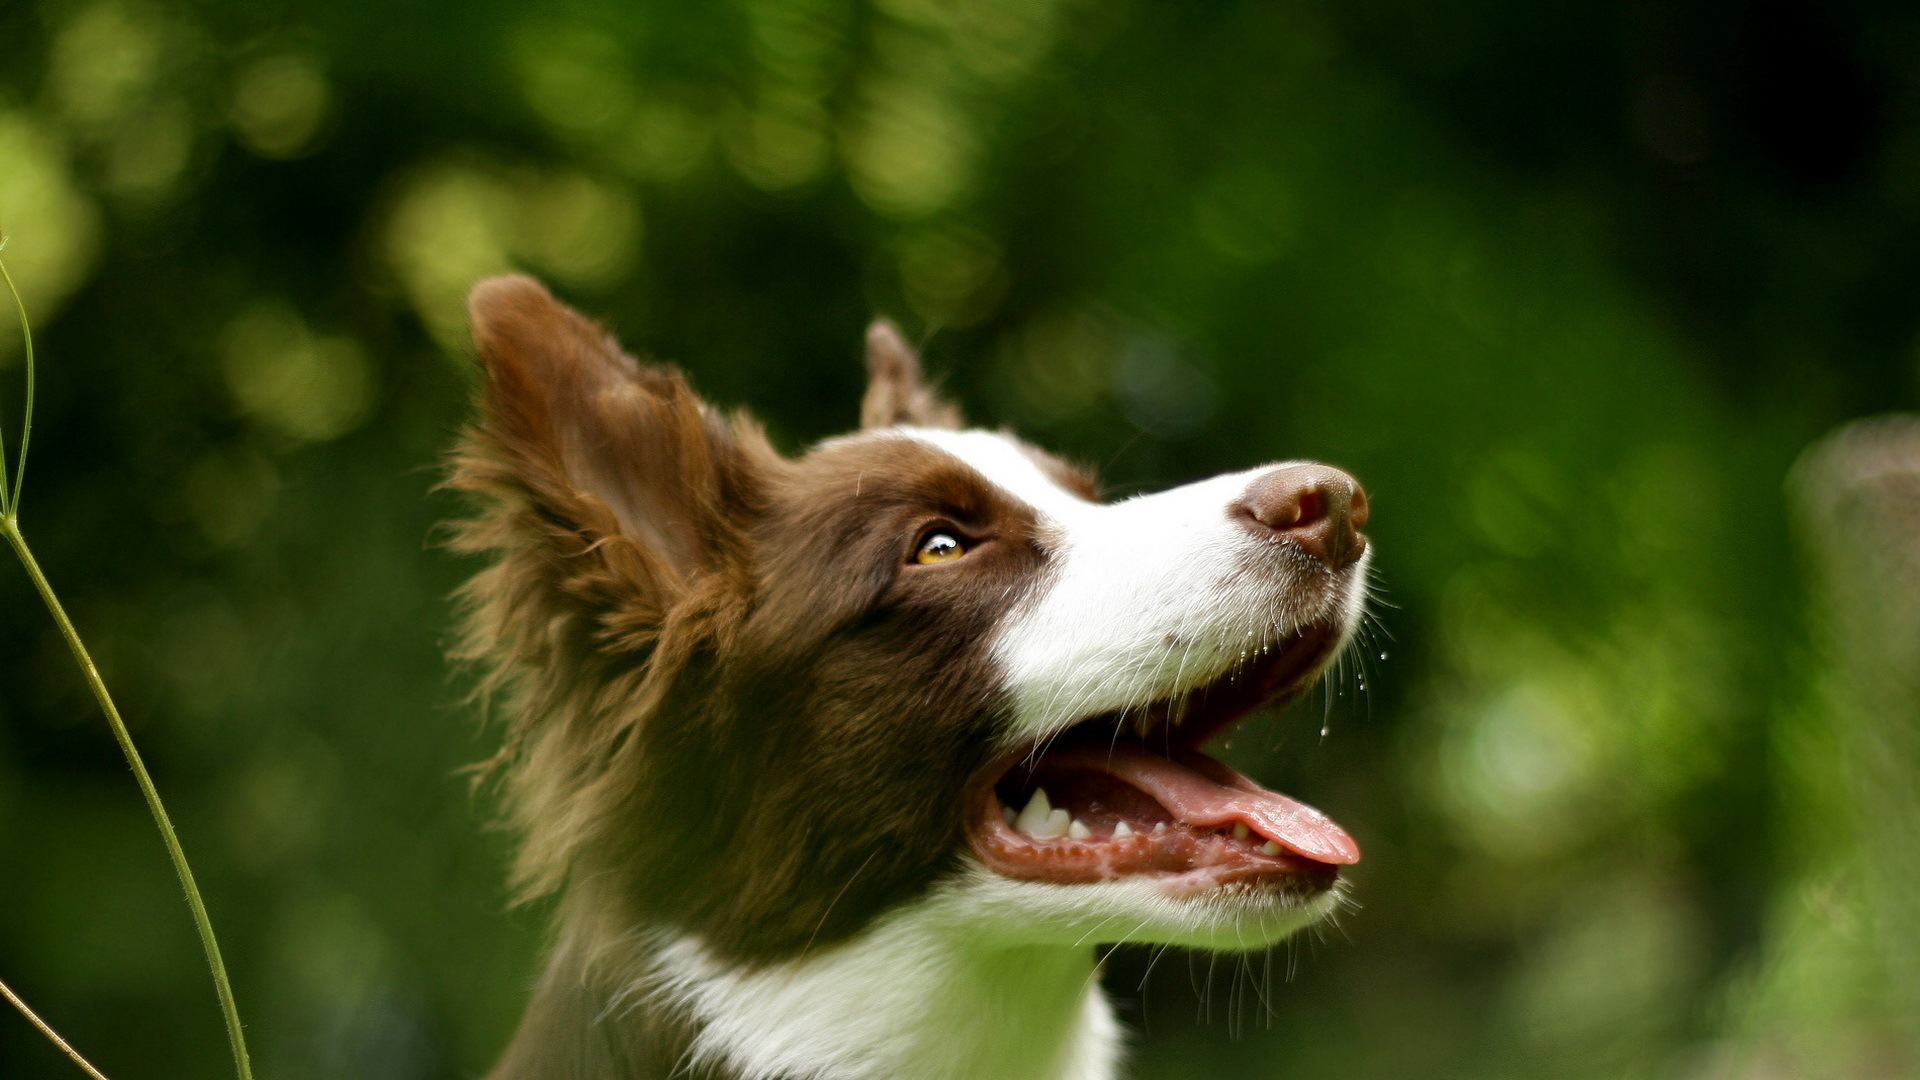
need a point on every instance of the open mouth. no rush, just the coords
(1129, 793)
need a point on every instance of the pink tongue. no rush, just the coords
(1199, 791)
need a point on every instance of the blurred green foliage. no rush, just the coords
(1568, 287)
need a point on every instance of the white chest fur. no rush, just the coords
(918, 997)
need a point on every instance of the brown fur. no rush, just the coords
(708, 651)
(592, 567)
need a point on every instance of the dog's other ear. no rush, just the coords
(895, 394)
(608, 476)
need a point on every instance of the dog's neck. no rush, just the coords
(913, 998)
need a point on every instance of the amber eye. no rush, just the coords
(938, 548)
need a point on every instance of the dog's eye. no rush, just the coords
(938, 548)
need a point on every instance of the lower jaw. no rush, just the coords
(1203, 882)
(1180, 863)
(1191, 911)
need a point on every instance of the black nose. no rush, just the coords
(1317, 508)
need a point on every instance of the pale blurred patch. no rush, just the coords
(118, 74)
(1160, 391)
(1815, 1001)
(104, 61)
(309, 386)
(666, 140)
(453, 224)
(147, 157)
(1613, 968)
(574, 77)
(214, 659)
(1066, 362)
(912, 139)
(781, 142)
(1059, 365)
(279, 103)
(329, 950)
(952, 274)
(53, 230)
(1547, 743)
(1549, 737)
(1856, 751)
(279, 805)
(911, 149)
(908, 138)
(997, 41)
(801, 43)
(782, 137)
(1518, 772)
(336, 967)
(447, 230)
(576, 228)
(579, 81)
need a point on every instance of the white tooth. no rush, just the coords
(1078, 831)
(1009, 813)
(1269, 848)
(1034, 817)
(1159, 827)
(1240, 830)
(1122, 829)
(1055, 825)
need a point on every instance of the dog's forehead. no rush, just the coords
(1013, 466)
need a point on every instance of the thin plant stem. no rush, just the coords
(10, 527)
(26, 333)
(12, 506)
(47, 1030)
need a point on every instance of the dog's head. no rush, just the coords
(767, 701)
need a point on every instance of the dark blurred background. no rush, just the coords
(1570, 287)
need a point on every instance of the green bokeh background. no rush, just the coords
(1570, 287)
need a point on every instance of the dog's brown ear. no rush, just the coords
(607, 476)
(895, 394)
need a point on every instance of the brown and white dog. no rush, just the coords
(842, 765)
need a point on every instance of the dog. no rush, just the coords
(840, 766)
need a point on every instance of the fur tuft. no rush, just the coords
(896, 394)
(609, 500)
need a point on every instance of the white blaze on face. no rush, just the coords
(1144, 597)
(993, 975)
